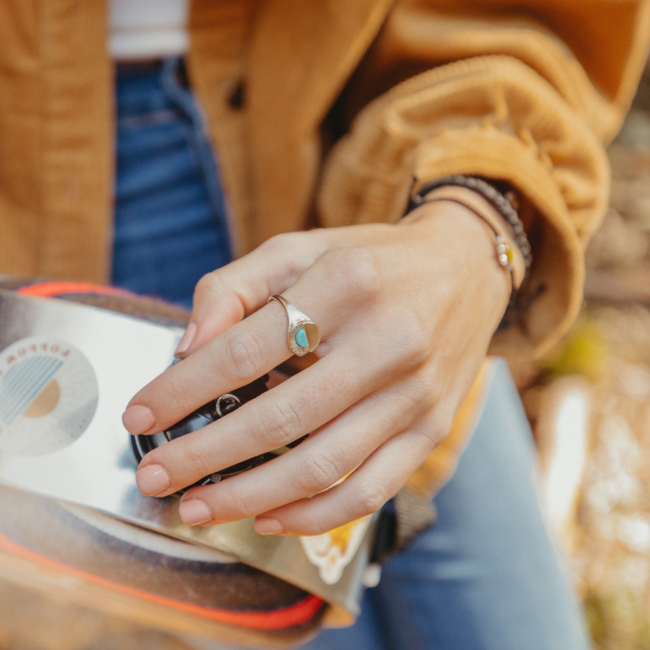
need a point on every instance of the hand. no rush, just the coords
(406, 314)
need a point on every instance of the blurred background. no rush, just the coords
(588, 401)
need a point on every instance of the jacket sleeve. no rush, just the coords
(528, 92)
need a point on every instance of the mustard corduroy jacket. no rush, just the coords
(323, 113)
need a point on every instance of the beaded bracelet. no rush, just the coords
(506, 252)
(495, 198)
(502, 248)
(518, 304)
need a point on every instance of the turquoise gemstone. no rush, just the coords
(301, 338)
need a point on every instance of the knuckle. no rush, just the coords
(369, 498)
(196, 460)
(244, 354)
(316, 473)
(432, 427)
(426, 440)
(208, 284)
(296, 250)
(238, 503)
(178, 388)
(360, 271)
(280, 242)
(317, 526)
(440, 426)
(280, 423)
(417, 340)
(407, 340)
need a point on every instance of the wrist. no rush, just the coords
(507, 250)
(453, 231)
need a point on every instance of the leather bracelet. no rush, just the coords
(506, 249)
(494, 197)
(502, 248)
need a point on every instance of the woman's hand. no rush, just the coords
(406, 313)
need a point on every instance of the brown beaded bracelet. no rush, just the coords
(495, 198)
(519, 302)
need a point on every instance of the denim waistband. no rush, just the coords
(170, 224)
(138, 69)
(151, 86)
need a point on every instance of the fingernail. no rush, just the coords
(152, 480)
(186, 340)
(138, 419)
(195, 511)
(268, 526)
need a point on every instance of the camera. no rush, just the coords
(206, 414)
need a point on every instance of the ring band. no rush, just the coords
(303, 335)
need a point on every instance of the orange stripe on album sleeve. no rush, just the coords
(51, 289)
(278, 619)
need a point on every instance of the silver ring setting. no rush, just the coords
(303, 335)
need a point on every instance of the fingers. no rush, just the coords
(233, 359)
(362, 494)
(331, 294)
(315, 465)
(223, 297)
(296, 407)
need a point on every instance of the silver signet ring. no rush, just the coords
(303, 335)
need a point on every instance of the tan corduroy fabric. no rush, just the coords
(525, 91)
(528, 91)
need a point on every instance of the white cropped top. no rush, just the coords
(147, 29)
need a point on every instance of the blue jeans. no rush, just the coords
(486, 576)
(170, 219)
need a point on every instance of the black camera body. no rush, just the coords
(207, 414)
